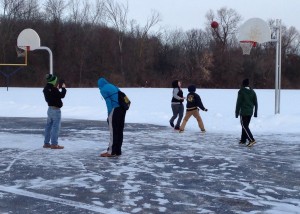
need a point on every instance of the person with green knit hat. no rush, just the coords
(53, 98)
(52, 79)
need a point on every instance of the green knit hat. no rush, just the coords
(52, 79)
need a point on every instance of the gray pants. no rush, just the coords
(177, 111)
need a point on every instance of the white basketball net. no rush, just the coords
(246, 46)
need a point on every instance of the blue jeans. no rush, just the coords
(177, 110)
(53, 126)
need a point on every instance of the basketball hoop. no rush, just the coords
(246, 46)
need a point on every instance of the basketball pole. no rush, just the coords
(278, 66)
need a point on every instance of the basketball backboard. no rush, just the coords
(29, 38)
(256, 30)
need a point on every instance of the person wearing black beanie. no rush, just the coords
(245, 83)
(192, 109)
(245, 103)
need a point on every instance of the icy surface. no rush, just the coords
(160, 171)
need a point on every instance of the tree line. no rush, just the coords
(92, 39)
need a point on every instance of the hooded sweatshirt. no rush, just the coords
(110, 93)
(246, 101)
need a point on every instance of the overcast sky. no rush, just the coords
(189, 14)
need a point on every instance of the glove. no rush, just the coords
(255, 114)
(236, 116)
(205, 110)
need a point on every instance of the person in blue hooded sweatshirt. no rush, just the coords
(116, 117)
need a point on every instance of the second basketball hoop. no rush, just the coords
(253, 31)
(246, 46)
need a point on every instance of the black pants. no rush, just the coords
(116, 128)
(246, 133)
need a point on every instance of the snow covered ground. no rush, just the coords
(152, 106)
(160, 171)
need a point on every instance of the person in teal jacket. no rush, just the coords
(115, 119)
(246, 102)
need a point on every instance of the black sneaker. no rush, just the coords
(177, 128)
(241, 142)
(171, 124)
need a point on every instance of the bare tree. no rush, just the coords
(85, 16)
(223, 38)
(290, 40)
(143, 44)
(117, 16)
(98, 14)
(12, 9)
(79, 11)
(141, 33)
(85, 12)
(228, 20)
(20, 9)
(152, 20)
(172, 54)
(31, 10)
(55, 9)
(198, 60)
(290, 49)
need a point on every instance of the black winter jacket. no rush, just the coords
(193, 102)
(53, 96)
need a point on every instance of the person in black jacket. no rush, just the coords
(176, 104)
(192, 108)
(53, 98)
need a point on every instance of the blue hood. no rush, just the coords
(102, 82)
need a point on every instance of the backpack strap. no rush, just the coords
(112, 99)
(111, 95)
